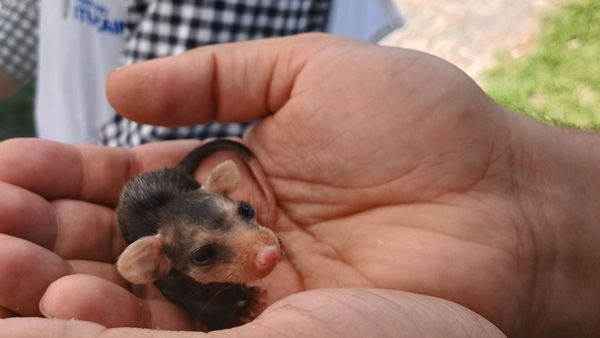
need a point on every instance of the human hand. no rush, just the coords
(392, 169)
(60, 239)
(382, 168)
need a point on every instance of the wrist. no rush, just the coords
(558, 184)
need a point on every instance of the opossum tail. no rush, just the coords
(193, 159)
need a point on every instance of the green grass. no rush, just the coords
(558, 80)
(16, 115)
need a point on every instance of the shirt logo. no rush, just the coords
(92, 13)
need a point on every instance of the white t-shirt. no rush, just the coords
(365, 20)
(80, 42)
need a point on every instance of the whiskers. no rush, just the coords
(219, 292)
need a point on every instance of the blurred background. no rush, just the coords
(538, 57)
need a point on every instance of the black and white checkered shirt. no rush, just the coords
(158, 28)
(18, 33)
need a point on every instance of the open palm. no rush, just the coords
(379, 169)
(390, 170)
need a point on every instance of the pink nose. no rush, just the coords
(267, 258)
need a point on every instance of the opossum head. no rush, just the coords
(205, 235)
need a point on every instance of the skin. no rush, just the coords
(408, 203)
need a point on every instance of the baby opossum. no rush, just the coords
(196, 244)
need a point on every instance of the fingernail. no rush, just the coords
(43, 309)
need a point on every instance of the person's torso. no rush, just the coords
(80, 42)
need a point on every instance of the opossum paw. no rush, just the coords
(257, 305)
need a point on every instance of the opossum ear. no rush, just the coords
(144, 261)
(223, 179)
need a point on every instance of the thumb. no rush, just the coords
(316, 313)
(365, 313)
(228, 83)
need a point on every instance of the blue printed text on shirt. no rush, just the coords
(91, 13)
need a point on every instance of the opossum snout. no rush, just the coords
(266, 259)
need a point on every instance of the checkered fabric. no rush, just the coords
(18, 33)
(158, 28)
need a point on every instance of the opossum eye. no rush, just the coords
(205, 255)
(246, 211)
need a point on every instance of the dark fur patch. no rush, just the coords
(146, 196)
(218, 306)
(199, 210)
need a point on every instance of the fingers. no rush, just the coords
(34, 165)
(231, 82)
(54, 171)
(90, 173)
(26, 270)
(318, 313)
(72, 229)
(26, 215)
(86, 231)
(91, 298)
